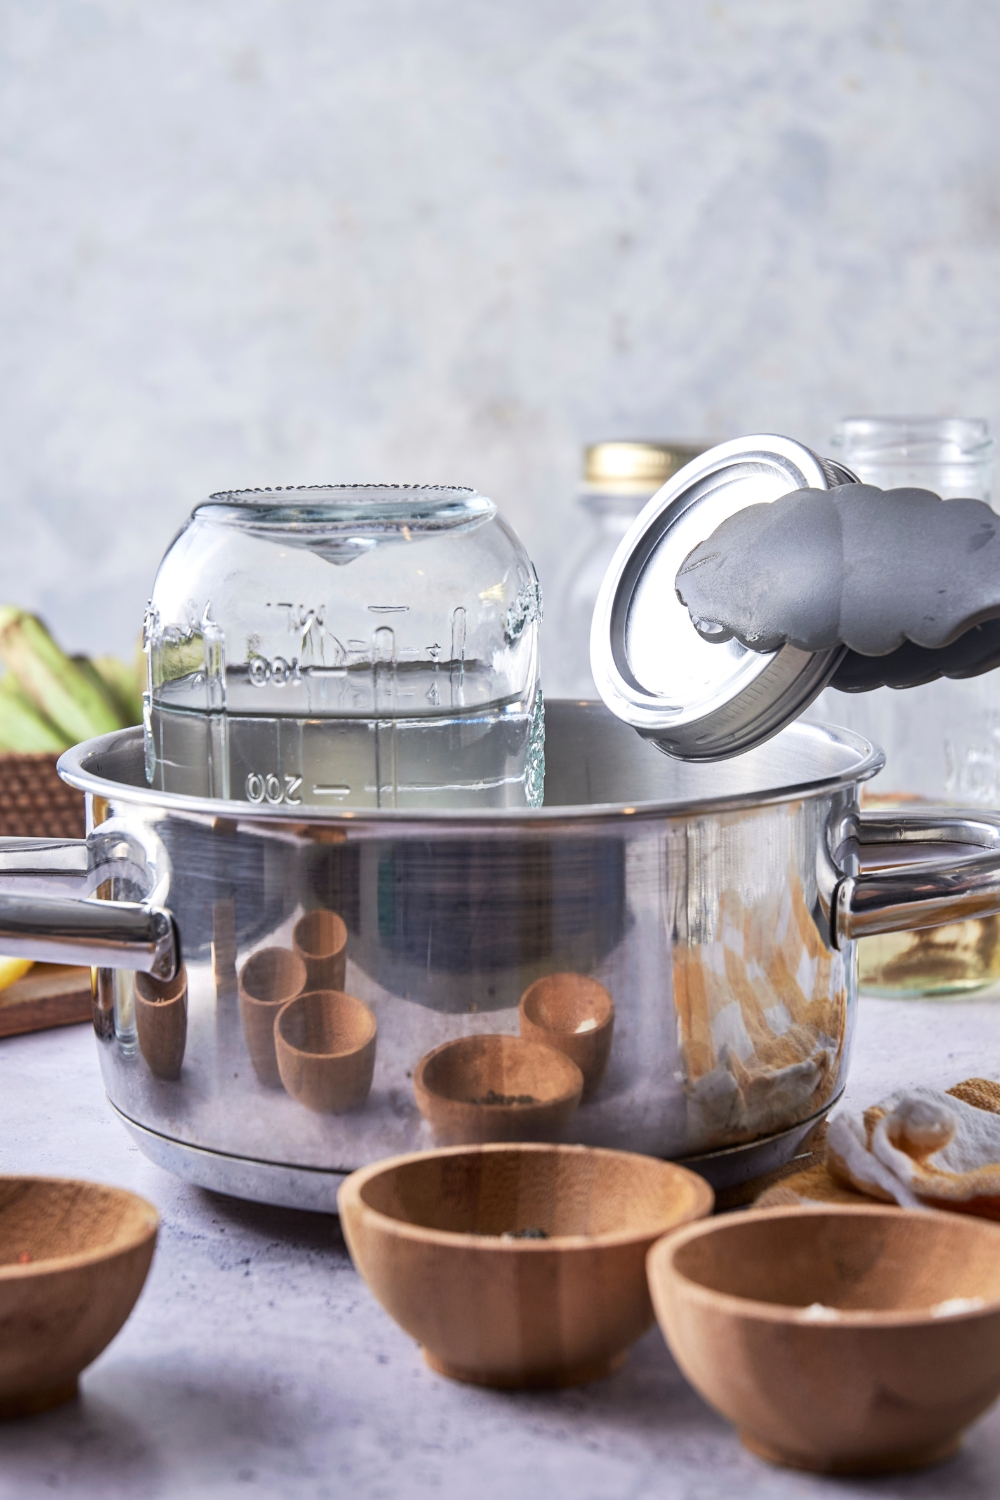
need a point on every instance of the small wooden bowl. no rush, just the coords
(574, 1014)
(325, 1041)
(73, 1259)
(320, 940)
(425, 1233)
(454, 1086)
(268, 980)
(161, 1021)
(812, 1329)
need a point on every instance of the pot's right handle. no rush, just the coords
(921, 893)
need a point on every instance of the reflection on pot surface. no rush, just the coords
(708, 910)
(161, 1022)
(325, 1044)
(496, 1088)
(762, 1012)
(708, 928)
(575, 1015)
(267, 982)
(320, 939)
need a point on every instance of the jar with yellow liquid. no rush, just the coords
(942, 740)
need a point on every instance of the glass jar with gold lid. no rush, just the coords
(619, 477)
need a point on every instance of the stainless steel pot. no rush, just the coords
(716, 903)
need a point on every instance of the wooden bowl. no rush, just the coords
(535, 1089)
(425, 1232)
(161, 1021)
(320, 940)
(73, 1259)
(325, 1041)
(267, 981)
(574, 1014)
(813, 1330)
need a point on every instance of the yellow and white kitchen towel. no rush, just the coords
(921, 1148)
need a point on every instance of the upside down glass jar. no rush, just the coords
(346, 646)
(941, 740)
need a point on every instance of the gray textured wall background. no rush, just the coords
(272, 241)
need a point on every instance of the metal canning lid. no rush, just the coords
(696, 699)
(633, 467)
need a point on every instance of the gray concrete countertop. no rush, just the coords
(256, 1362)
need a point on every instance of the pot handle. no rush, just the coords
(921, 893)
(59, 929)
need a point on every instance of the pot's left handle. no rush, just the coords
(921, 893)
(71, 929)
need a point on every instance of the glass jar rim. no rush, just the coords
(359, 508)
(915, 440)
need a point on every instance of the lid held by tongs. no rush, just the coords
(702, 700)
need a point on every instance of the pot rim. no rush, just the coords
(72, 767)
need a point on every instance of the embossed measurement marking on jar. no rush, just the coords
(273, 789)
(278, 671)
(308, 623)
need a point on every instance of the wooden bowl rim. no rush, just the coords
(56, 1263)
(325, 1056)
(352, 1187)
(536, 984)
(556, 1060)
(660, 1267)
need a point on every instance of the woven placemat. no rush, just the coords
(35, 802)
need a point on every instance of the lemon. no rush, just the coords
(11, 969)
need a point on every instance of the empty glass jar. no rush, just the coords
(942, 740)
(346, 646)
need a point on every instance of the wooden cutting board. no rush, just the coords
(48, 995)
